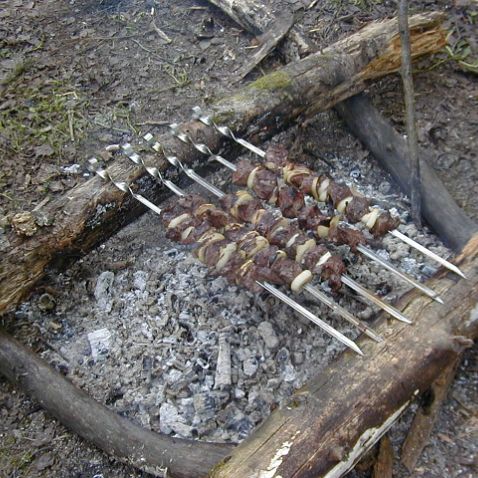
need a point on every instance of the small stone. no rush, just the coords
(268, 335)
(223, 369)
(399, 251)
(249, 366)
(99, 342)
(46, 303)
(140, 280)
(103, 290)
(168, 414)
(298, 358)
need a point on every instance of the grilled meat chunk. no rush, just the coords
(384, 223)
(341, 234)
(357, 208)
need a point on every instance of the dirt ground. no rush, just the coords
(77, 76)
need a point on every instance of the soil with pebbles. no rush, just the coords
(141, 326)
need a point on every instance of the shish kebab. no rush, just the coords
(317, 260)
(281, 232)
(190, 221)
(292, 204)
(370, 218)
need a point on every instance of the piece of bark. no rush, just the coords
(250, 14)
(92, 211)
(277, 31)
(151, 452)
(383, 467)
(439, 208)
(334, 420)
(426, 416)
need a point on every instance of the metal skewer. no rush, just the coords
(97, 169)
(345, 314)
(317, 294)
(185, 138)
(226, 131)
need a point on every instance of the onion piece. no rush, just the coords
(261, 243)
(314, 188)
(322, 231)
(301, 280)
(178, 220)
(292, 240)
(303, 248)
(251, 177)
(324, 185)
(370, 218)
(344, 203)
(324, 259)
(225, 255)
(186, 232)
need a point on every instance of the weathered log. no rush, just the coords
(332, 421)
(92, 211)
(439, 208)
(151, 452)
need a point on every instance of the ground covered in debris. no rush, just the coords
(138, 323)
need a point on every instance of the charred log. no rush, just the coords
(154, 453)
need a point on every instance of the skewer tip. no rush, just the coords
(439, 300)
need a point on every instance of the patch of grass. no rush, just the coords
(13, 459)
(37, 111)
(458, 50)
(178, 74)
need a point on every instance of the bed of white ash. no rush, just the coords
(141, 326)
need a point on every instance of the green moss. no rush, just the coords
(273, 81)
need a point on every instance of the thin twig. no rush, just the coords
(412, 139)
(160, 32)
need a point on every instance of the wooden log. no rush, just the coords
(336, 418)
(439, 208)
(151, 452)
(91, 212)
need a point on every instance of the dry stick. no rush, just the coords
(131, 444)
(412, 139)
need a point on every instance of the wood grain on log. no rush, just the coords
(151, 452)
(340, 414)
(91, 212)
(439, 208)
